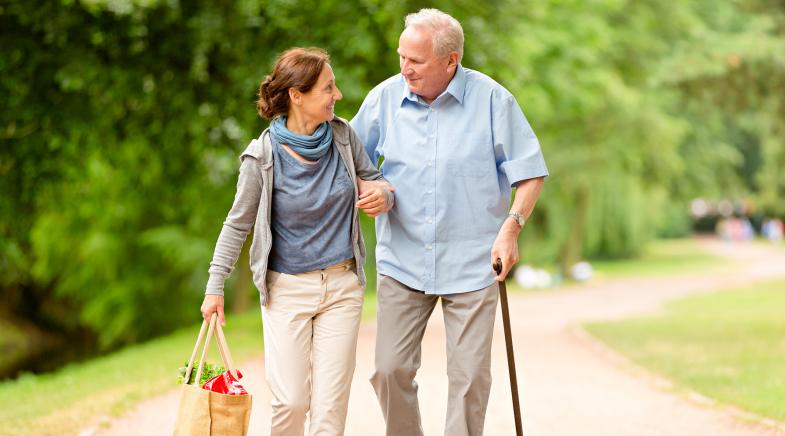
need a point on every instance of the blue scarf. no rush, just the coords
(311, 147)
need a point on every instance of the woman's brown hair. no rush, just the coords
(297, 68)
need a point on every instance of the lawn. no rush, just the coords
(729, 345)
(67, 400)
(663, 257)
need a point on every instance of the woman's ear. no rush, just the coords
(295, 96)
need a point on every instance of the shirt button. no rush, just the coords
(430, 191)
(429, 163)
(430, 220)
(433, 110)
(428, 247)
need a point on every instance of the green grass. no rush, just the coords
(729, 345)
(66, 401)
(663, 257)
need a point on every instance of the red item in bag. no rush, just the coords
(225, 384)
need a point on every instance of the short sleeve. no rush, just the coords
(519, 155)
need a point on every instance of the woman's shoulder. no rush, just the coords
(339, 123)
(259, 148)
(342, 131)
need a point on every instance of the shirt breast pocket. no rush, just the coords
(470, 155)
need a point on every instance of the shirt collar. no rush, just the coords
(456, 87)
(407, 94)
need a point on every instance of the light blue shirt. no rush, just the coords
(452, 163)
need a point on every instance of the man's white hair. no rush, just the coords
(446, 30)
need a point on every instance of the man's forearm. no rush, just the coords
(526, 194)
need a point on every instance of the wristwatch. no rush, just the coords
(518, 218)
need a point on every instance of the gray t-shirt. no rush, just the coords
(311, 213)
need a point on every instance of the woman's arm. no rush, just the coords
(236, 227)
(376, 194)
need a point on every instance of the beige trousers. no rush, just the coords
(310, 341)
(401, 315)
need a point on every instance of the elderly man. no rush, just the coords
(454, 142)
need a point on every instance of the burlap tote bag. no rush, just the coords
(207, 413)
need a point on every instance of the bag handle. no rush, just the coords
(223, 347)
(213, 329)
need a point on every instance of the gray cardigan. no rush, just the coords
(251, 208)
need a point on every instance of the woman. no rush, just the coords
(298, 187)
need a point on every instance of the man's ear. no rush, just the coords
(452, 61)
(295, 96)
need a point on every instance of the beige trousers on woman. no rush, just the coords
(310, 340)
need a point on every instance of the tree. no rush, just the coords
(122, 122)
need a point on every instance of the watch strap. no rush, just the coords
(518, 218)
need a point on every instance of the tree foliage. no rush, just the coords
(122, 122)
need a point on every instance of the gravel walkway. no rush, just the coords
(570, 384)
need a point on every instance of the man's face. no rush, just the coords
(426, 73)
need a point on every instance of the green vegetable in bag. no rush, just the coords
(208, 372)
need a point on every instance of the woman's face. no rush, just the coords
(318, 104)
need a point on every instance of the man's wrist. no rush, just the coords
(510, 228)
(517, 218)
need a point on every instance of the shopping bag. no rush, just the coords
(204, 412)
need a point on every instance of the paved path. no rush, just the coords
(570, 384)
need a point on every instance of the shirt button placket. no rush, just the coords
(430, 232)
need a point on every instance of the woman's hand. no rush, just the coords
(374, 196)
(213, 304)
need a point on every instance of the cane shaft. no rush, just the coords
(516, 406)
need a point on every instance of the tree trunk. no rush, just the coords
(571, 253)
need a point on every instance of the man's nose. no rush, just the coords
(406, 67)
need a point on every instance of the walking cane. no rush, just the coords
(516, 407)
